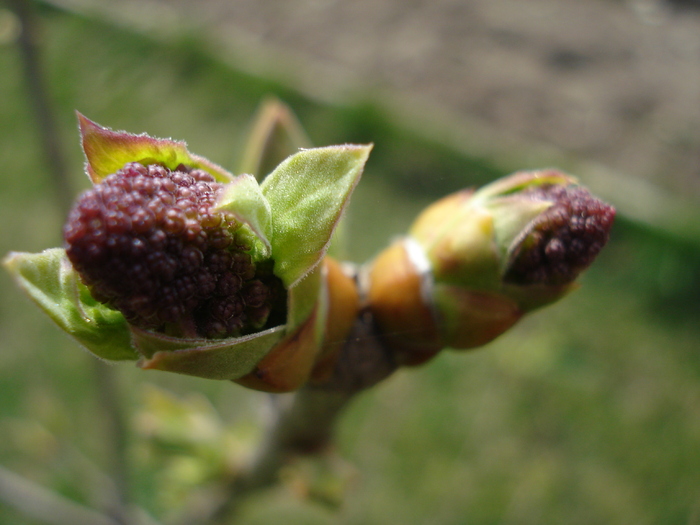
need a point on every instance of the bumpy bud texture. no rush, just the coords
(564, 240)
(148, 242)
(475, 262)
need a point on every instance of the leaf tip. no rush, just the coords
(10, 261)
(84, 123)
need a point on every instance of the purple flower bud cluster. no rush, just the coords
(148, 242)
(564, 240)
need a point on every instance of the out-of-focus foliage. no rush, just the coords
(588, 412)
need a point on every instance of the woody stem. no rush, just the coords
(305, 425)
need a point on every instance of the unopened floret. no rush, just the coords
(564, 240)
(148, 242)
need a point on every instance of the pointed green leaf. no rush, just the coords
(224, 359)
(51, 282)
(276, 133)
(244, 198)
(107, 151)
(308, 193)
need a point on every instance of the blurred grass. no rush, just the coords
(587, 412)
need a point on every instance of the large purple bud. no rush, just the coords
(149, 242)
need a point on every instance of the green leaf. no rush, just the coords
(107, 151)
(51, 282)
(276, 133)
(244, 198)
(223, 359)
(308, 193)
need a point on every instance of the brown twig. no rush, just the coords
(40, 101)
(305, 426)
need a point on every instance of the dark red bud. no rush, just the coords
(564, 240)
(148, 242)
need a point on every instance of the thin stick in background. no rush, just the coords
(38, 93)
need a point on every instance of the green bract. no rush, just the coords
(308, 193)
(244, 199)
(290, 217)
(52, 283)
(107, 151)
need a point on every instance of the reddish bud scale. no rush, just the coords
(564, 240)
(147, 242)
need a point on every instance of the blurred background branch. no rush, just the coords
(105, 384)
(44, 505)
(40, 100)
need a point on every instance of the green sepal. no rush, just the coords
(308, 193)
(107, 151)
(511, 217)
(227, 359)
(520, 181)
(50, 281)
(245, 200)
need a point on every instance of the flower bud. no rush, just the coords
(475, 262)
(172, 261)
(149, 241)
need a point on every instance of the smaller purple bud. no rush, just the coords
(562, 241)
(475, 262)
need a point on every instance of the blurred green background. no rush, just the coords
(586, 413)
